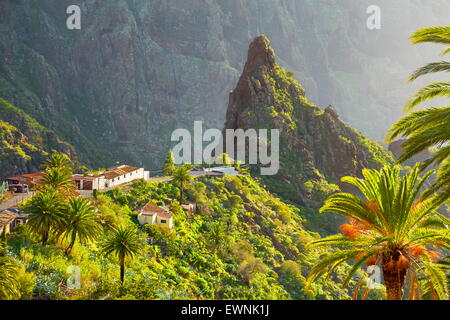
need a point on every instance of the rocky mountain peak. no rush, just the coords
(330, 110)
(260, 53)
(316, 147)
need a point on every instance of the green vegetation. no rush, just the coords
(395, 224)
(81, 222)
(24, 143)
(123, 242)
(46, 213)
(15, 282)
(235, 239)
(428, 128)
(378, 156)
(240, 242)
(13, 142)
(169, 165)
(391, 226)
(182, 177)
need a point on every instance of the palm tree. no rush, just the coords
(181, 176)
(428, 128)
(46, 209)
(80, 221)
(440, 35)
(58, 178)
(58, 160)
(389, 228)
(8, 270)
(3, 243)
(123, 242)
(8, 282)
(217, 236)
(224, 159)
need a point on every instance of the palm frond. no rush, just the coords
(436, 34)
(434, 90)
(418, 120)
(333, 260)
(433, 67)
(436, 277)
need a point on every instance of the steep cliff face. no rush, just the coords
(25, 149)
(316, 147)
(138, 69)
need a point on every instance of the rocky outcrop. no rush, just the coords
(316, 147)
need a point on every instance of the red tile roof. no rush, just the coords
(115, 172)
(77, 177)
(33, 175)
(151, 208)
(28, 175)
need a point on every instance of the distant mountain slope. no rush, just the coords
(24, 150)
(316, 147)
(138, 69)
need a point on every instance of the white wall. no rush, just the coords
(134, 175)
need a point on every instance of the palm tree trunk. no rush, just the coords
(394, 279)
(181, 193)
(72, 243)
(122, 268)
(44, 237)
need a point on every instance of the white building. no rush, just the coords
(112, 177)
(123, 174)
(89, 182)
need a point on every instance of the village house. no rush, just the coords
(112, 177)
(89, 181)
(189, 208)
(29, 179)
(123, 174)
(153, 214)
(7, 220)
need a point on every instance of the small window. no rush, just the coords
(163, 221)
